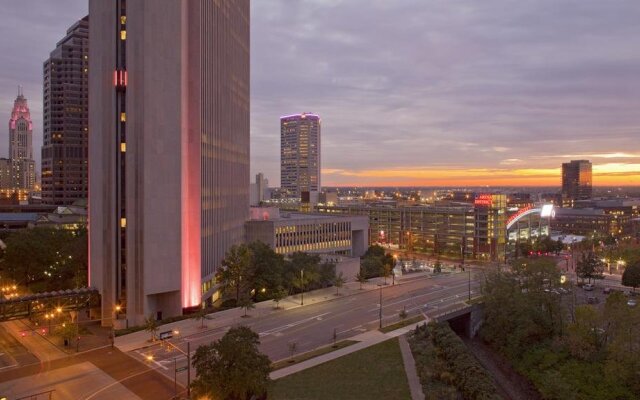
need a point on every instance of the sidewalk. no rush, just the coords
(230, 317)
(410, 369)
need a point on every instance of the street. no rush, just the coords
(312, 326)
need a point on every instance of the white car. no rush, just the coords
(632, 302)
(588, 287)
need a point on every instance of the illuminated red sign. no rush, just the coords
(120, 78)
(483, 200)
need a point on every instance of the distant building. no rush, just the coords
(259, 190)
(576, 182)
(64, 170)
(168, 150)
(300, 154)
(20, 165)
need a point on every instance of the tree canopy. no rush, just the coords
(46, 258)
(231, 368)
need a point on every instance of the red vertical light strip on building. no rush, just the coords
(190, 176)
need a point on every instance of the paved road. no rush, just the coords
(12, 353)
(312, 326)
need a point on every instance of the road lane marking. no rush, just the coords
(293, 324)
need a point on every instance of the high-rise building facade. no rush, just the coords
(576, 182)
(300, 153)
(64, 170)
(20, 165)
(168, 149)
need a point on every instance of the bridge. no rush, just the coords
(465, 319)
(64, 300)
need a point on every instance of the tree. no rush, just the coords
(372, 266)
(236, 272)
(361, 278)
(246, 303)
(590, 267)
(338, 282)
(309, 264)
(267, 270)
(151, 326)
(437, 268)
(631, 276)
(231, 368)
(67, 331)
(279, 294)
(200, 315)
(386, 272)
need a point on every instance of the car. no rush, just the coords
(588, 287)
(632, 302)
(606, 290)
(593, 300)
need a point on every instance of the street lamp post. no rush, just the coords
(302, 287)
(380, 313)
(469, 285)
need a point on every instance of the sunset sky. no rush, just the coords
(415, 92)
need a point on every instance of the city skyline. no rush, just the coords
(461, 95)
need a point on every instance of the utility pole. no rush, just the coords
(469, 285)
(189, 369)
(302, 287)
(380, 316)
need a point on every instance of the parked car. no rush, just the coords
(593, 300)
(606, 290)
(632, 302)
(588, 287)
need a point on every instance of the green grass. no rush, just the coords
(376, 372)
(401, 324)
(311, 354)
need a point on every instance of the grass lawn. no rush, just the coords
(376, 372)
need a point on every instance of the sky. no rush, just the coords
(415, 92)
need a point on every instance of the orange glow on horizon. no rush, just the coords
(611, 174)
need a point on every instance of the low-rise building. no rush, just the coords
(288, 232)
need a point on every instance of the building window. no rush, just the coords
(123, 35)
(123, 222)
(123, 147)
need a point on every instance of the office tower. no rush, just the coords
(300, 153)
(262, 186)
(576, 182)
(66, 118)
(21, 147)
(168, 150)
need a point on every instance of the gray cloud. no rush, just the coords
(410, 82)
(446, 83)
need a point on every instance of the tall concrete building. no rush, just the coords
(20, 165)
(576, 182)
(64, 170)
(300, 153)
(168, 150)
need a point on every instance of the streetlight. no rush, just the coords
(302, 287)
(380, 313)
(469, 285)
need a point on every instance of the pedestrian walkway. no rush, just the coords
(234, 316)
(366, 339)
(410, 369)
